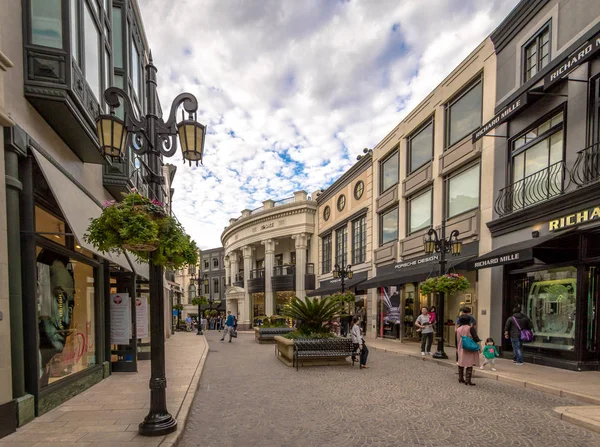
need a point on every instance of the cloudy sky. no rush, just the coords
(293, 90)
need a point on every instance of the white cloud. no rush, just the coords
(292, 90)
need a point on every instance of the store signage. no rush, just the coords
(120, 319)
(414, 262)
(573, 61)
(508, 258)
(141, 317)
(267, 225)
(574, 219)
(501, 117)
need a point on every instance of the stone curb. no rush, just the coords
(172, 439)
(564, 414)
(506, 379)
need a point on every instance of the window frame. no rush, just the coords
(393, 153)
(408, 210)
(326, 253)
(343, 255)
(535, 38)
(447, 181)
(326, 213)
(362, 192)
(341, 203)
(383, 213)
(362, 235)
(430, 121)
(469, 86)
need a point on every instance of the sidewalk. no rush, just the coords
(580, 386)
(108, 414)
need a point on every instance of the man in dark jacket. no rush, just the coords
(512, 331)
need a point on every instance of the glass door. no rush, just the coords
(592, 297)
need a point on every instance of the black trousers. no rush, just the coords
(364, 353)
(426, 339)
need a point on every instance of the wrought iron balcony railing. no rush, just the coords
(533, 189)
(257, 273)
(586, 169)
(284, 270)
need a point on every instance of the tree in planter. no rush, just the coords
(199, 301)
(312, 316)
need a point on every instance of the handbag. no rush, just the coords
(468, 344)
(234, 334)
(526, 334)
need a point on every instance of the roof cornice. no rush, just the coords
(362, 165)
(516, 20)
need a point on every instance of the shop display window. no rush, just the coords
(548, 298)
(65, 298)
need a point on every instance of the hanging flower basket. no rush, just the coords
(448, 284)
(142, 226)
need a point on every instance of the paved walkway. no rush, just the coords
(249, 398)
(108, 414)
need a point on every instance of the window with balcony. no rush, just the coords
(464, 113)
(420, 147)
(46, 23)
(388, 226)
(536, 53)
(389, 172)
(326, 254)
(419, 211)
(536, 165)
(359, 240)
(341, 246)
(462, 191)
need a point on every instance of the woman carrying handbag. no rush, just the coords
(467, 348)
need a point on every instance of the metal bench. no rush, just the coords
(322, 348)
(269, 333)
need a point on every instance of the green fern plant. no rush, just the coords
(312, 315)
(199, 301)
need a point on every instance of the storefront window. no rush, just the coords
(49, 226)
(258, 306)
(281, 299)
(65, 297)
(389, 315)
(548, 298)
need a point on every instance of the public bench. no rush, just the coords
(268, 334)
(322, 348)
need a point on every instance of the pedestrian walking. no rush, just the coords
(467, 348)
(212, 323)
(490, 352)
(464, 311)
(424, 325)
(515, 325)
(359, 344)
(229, 326)
(219, 322)
(344, 325)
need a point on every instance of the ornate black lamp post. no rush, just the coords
(342, 272)
(441, 245)
(156, 138)
(201, 282)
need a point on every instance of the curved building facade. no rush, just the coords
(267, 257)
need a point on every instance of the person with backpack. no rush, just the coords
(467, 348)
(518, 329)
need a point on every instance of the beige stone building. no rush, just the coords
(267, 256)
(427, 171)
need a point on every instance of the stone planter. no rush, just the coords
(285, 348)
(267, 335)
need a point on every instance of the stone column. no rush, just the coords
(227, 272)
(301, 245)
(233, 261)
(245, 314)
(269, 264)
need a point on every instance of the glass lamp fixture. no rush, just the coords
(456, 246)
(112, 135)
(336, 271)
(429, 245)
(191, 137)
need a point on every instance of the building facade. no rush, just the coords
(65, 54)
(267, 253)
(428, 172)
(345, 228)
(547, 136)
(212, 265)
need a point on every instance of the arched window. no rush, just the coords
(192, 291)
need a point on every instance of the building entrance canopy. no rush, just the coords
(335, 285)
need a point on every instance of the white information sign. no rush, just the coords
(141, 315)
(120, 319)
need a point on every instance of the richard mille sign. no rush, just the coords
(574, 219)
(585, 52)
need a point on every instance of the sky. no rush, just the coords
(291, 91)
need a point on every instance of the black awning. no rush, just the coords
(416, 274)
(513, 253)
(335, 285)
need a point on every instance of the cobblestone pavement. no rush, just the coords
(247, 397)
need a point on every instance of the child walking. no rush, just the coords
(490, 352)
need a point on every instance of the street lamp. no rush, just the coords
(152, 136)
(342, 272)
(201, 282)
(432, 243)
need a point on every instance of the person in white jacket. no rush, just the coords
(359, 343)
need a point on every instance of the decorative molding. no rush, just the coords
(5, 62)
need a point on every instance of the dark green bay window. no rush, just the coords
(46, 23)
